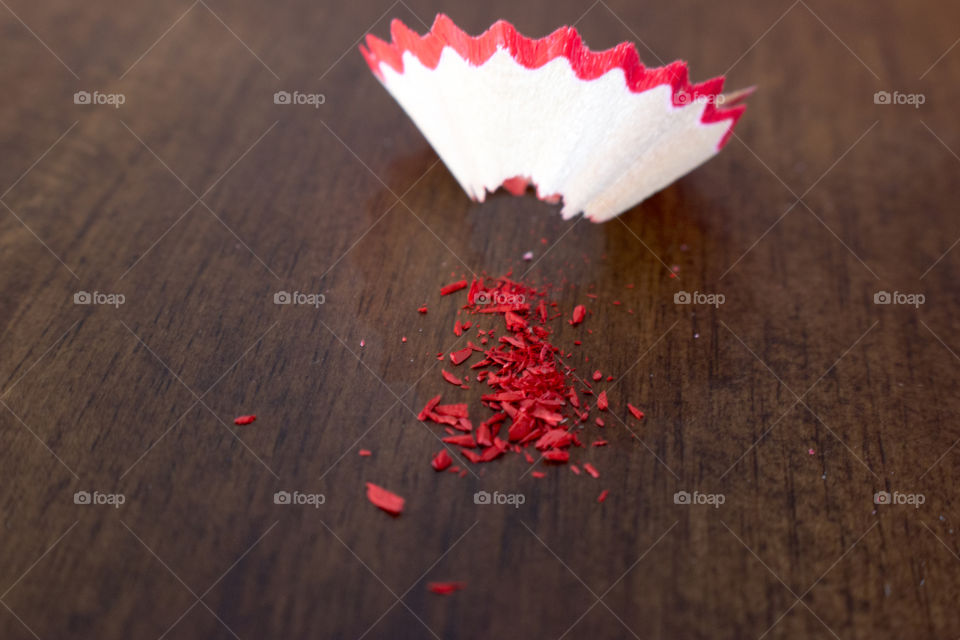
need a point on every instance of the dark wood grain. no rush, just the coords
(198, 198)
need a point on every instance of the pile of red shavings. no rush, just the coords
(537, 401)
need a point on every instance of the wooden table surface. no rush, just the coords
(198, 198)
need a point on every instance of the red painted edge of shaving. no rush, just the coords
(534, 53)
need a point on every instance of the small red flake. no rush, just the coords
(461, 441)
(636, 412)
(363, 343)
(455, 410)
(600, 443)
(579, 313)
(539, 474)
(428, 409)
(556, 455)
(597, 375)
(458, 357)
(453, 287)
(603, 495)
(422, 309)
(241, 420)
(601, 423)
(602, 403)
(365, 453)
(403, 339)
(589, 468)
(441, 461)
(386, 500)
(445, 588)
(449, 377)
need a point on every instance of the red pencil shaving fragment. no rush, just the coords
(579, 313)
(556, 455)
(453, 287)
(602, 402)
(364, 453)
(636, 412)
(597, 375)
(449, 377)
(386, 500)
(241, 420)
(422, 309)
(445, 588)
(637, 128)
(428, 409)
(589, 468)
(441, 460)
(459, 357)
(603, 495)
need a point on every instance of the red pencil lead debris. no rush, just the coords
(536, 399)
(445, 588)
(441, 460)
(453, 287)
(603, 495)
(589, 468)
(458, 357)
(449, 377)
(636, 412)
(386, 500)
(365, 453)
(597, 375)
(241, 420)
(422, 309)
(579, 313)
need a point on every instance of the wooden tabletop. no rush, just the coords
(182, 199)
